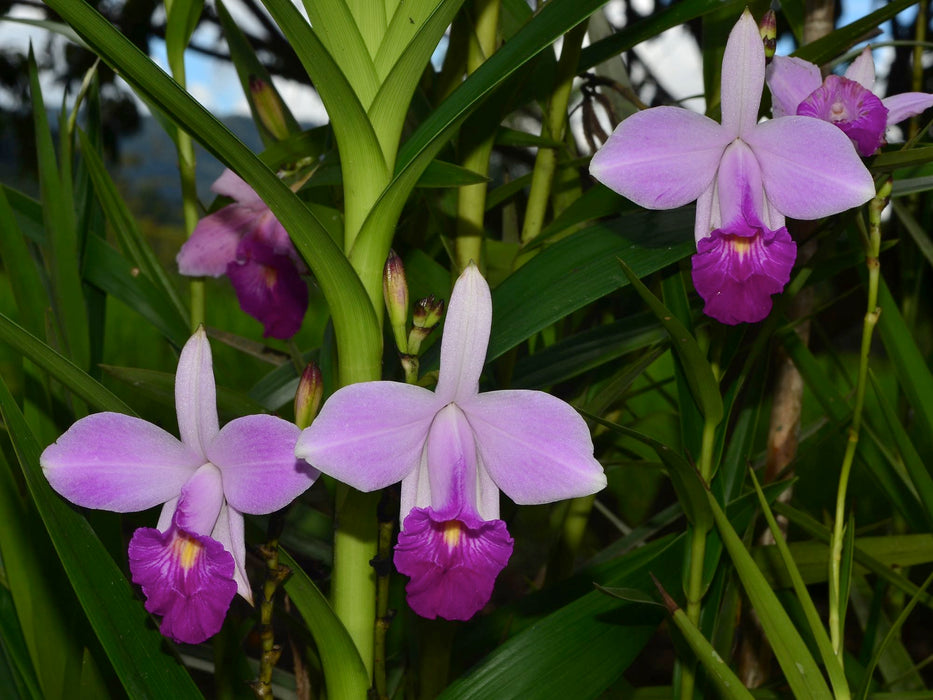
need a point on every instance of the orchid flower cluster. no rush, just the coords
(453, 449)
(746, 176)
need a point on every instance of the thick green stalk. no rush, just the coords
(353, 581)
(873, 311)
(553, 125)
(471, 204)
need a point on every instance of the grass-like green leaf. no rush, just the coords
(831, 662)
(697, 370)
(138, 657)
(344, 673)
(580, 649)
(22, 270)
(60, 367)
(39, 633)
(62, 241)
(841, 40)
(248, 65)
(355, 322)
(582, 268)
(122, 222)
(800, 669)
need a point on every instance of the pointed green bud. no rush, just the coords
(268, 107)
(395, 292)
(427, 315)
(309, 395)
(768, 29)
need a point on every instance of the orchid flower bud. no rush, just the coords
(768, 29)
(268, 107)
(395, 293)
(308, 396)
(427, 316)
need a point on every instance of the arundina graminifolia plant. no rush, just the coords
(463, 420)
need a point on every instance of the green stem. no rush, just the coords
(471, 202)
(694, 589)
(388, 512)
(275, 575)
(353, 580)
(189, 192)
(552, 126)
(873, 311)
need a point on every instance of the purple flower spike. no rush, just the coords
(852, 108)
(453, 450)
(247, 243)
(848, 102)
(667, 157)
(192, 564)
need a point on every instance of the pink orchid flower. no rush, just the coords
(797, 87)
(193, 562)
(247, 243)
(746, 177)
(454, 449)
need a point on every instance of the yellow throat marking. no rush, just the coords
(187, 551)
(741, 246)
(452, 530)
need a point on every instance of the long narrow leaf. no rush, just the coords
(354, 318)
(791, 651)
(105, 595)
(344, 673)
(60, 367)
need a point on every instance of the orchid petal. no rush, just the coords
(535, 446)
(466, 336)
(256, 455)
(661, 158)
(907, 104)
(200, 501)
(739, 188)
(451, 461)
(167, 514)
(809, 167)
(862, 69)
(743, 76)
(229, 184)
(196, 394)
(116, 462)
(213, 243)
(791, 80)
(707, 215)
(229, 532)
(369, 435)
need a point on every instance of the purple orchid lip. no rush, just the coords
(454, 449)
(193, 563)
